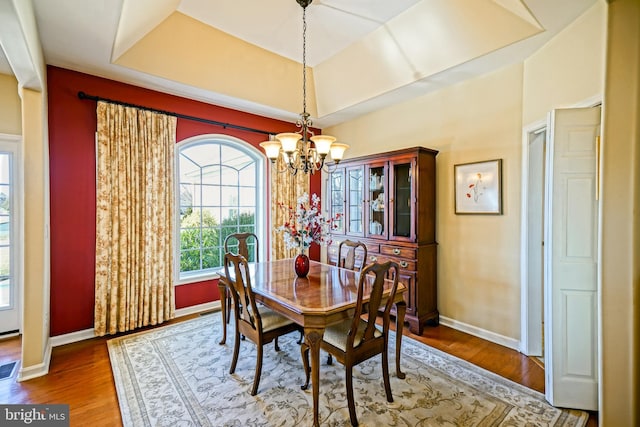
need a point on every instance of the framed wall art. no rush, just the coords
(478, 187)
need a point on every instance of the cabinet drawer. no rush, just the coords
(404, 264)
(398, 251)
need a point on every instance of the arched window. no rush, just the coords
(220, 183)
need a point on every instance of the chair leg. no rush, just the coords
(228, 302)
(256, 378)
(276, 346)
(301, 338)
(385, 375)
(304, 352)
(329, 359)
(236, 350)
(350, 402)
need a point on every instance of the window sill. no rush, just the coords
(200, 276)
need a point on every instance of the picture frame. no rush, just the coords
(478, 187)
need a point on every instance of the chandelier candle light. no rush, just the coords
(296, 148)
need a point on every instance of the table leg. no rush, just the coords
(401, 308)
(313, 338)
(222, 290)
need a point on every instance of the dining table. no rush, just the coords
(326, 296)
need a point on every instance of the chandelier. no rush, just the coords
(302, 150)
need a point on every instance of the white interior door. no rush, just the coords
(10, 285)
(571, 253)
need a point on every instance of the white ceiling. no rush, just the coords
(86, 36)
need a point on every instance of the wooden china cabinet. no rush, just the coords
(388, 201)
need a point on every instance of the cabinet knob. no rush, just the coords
(396, 251)
(404, 264)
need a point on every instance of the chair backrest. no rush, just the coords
(372, 277)
(242, 241)
(241, 292)
(347, 254)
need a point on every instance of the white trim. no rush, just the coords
(525, 345)
(72, 337)
(511, 343)
(87, 334)
(13, 144)
(196, 278)
(197, 309)
(38, 370)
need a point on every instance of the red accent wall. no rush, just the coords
(72, 127)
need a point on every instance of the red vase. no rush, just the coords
(301, 265)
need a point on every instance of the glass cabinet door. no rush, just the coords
(337, 199)
(376, 181)
(355, 200)
(402, 205)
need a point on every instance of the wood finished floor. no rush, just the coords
(80, 373)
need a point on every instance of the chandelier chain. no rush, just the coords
(304, 61)
(304, 152)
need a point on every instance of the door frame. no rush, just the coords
(530, 342)
(15, 142)
(531, 301)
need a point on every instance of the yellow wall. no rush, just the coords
(10, 121)
(482, 119)
(35, 323)
(226, 64)
(478, 255)
(620, 288)
(567, 70)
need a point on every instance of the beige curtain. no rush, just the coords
(285, 188)
(134, 225)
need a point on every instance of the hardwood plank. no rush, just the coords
(80, 373)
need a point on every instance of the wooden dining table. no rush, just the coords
(325, 297)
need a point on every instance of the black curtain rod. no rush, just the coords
(83, 95)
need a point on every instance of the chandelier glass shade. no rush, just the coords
(302, 151)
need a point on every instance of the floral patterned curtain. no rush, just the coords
(134, 218)
(285, 189)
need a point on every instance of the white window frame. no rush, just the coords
(261, 200)
(13, 144)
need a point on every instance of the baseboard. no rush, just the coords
(481, 333)
(36, 370)
(197, 309)
(89, 333)
(72, 337)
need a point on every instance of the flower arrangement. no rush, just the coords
(306, 224)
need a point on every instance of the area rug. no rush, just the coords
(178, 375)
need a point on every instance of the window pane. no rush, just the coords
(229, 196)
(4, 199)
(229, 176)
(190, 238)
(5, 235)
(247, 196)
(211, 174)
(210, 195)
(190, 260)
(248, 175)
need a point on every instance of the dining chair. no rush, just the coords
(347, 255)
(258, 323)
(358, 339)
(240, 242)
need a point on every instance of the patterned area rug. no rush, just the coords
(178, 375)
